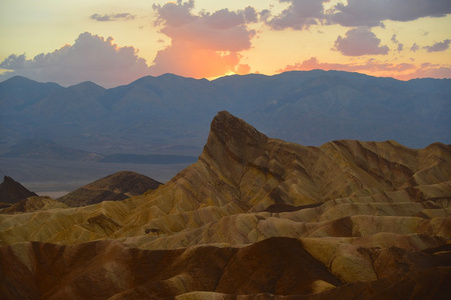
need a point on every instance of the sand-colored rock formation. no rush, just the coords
(276, 266)
(265, 217)
(31, 204)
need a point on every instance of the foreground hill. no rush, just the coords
(172, 113)
(114, 187)
(276, 266)
(253, 215)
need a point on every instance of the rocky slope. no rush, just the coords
(118, 186)
(348, 219)
(276, 266)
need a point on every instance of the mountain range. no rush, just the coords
(170, 114)
(254, 218)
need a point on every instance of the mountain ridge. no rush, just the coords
(309, 108)
(118, 186)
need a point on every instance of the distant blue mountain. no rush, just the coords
(171, 114)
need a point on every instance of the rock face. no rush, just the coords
(254, 216)
(117, 186)
(278, 266)
(11, 191)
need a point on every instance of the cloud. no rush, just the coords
(299, 15)
(394, 39)
(204, 44)
(112, 17)
(265, 15)
(369, 65)
(438, 47)
(360, 41)
(374, 12)
(250, 15)
(91, 57)
(402, 71)
(414, 47)
(428, 70)
(186, 59)
(174, 14)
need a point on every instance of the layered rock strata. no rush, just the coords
(346, 219)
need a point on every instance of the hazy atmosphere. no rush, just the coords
(114, 42)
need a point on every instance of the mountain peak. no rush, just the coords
(232, 144)
(18, 78)
(118, 186)
(12, 191)
(226, 126)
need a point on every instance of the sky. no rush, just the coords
(114, 42)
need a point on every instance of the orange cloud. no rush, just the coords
(186, 59)
(204, 45)
(401, 71)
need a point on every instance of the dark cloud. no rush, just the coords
(91, 57)
(223, 19)
(414, 47)
(438, 47)
(14, 62)
(265, 15)
(250, 15)
(112, 17)
(301, 14)
(174, 14)
(394, 39)
(360, 41)
(374, 12)
(204, 44)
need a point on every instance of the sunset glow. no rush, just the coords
(112, 42)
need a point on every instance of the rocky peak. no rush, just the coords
(11, 191)
(232, 144)
(231, 136)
